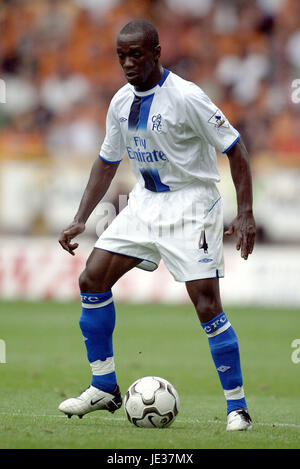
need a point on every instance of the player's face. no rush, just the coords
(138, 60)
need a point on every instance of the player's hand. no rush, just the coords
(244, 229)
(68, 234)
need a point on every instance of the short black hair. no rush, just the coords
(147, 30)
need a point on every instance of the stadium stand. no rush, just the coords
(60, 69)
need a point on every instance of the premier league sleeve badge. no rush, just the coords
(218, 120)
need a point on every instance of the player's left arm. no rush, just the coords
(243, 226)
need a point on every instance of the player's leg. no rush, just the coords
(103, 269)
(224, 347)
(97, 324)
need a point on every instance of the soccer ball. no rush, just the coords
(151, 402)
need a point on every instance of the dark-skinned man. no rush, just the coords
(170, 130)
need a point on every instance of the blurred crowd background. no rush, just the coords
(58, 63)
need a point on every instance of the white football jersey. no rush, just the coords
(169, 133)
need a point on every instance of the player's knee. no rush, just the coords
(207, 307)
(87, 282)
(92, 281)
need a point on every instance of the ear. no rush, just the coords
(157, 52)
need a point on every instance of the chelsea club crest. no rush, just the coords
(156, 123)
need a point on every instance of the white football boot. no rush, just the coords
(92, 399)
(238, 420)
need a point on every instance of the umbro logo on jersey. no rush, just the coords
(206, 260)
(123, 119)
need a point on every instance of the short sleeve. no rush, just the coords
(208, 122)
(113, 147)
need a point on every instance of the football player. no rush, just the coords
(170, 130)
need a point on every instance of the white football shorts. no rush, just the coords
(184, 228)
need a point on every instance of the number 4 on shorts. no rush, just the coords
(202, 242)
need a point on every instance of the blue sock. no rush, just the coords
(224, 349)
(97, 324)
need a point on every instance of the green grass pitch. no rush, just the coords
(46, 363)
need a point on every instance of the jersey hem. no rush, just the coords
(233, 143)
(108, 161)
(215, 274)
(134, 257)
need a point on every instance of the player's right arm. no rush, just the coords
(99, 181)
